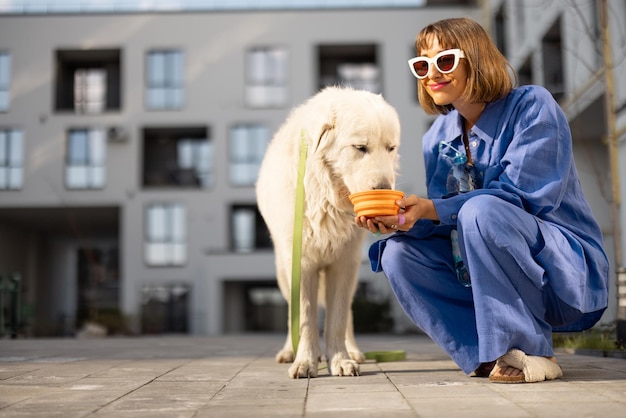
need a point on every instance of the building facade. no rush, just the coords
(133, 142)
(577, 49)
(130, 143)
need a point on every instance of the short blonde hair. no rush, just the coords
(490, 75)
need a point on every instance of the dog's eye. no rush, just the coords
(391, 149)
(361, 148)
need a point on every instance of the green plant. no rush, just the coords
(602, 337)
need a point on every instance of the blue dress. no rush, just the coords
(527, 237)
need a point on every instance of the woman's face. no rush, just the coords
(448, 88)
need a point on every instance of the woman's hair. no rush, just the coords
(488, 77)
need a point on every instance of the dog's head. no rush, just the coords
(355, 135)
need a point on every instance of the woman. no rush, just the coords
(505, 249)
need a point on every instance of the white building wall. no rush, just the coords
(214, 46)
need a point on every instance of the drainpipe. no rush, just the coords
(612, 140)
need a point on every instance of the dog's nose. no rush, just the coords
(383, 185)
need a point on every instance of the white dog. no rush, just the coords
(352, 138)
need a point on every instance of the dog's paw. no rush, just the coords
(285, 356)
(340, 366)
(303, 369)
(357, 356)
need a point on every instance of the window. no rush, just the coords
(266, 77)
(86, 159)
(193, 157)
(165, 308)
(248, 230)
(520, 18)
(90, 90)
(97, 273)
(553, 61)
(165, 235)
(349, 65)
(11, 159)
(525, 72)
(596, 28)
(253, 305)
(88, 81)
(247, 148)
(500, 22)
(5, 81)
(177, 157)
(164, 80)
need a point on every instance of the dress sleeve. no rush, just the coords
(529, 162)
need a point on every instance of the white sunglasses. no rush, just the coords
(445, 62)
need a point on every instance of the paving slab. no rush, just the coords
(236, 376)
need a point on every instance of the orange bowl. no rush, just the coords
(376, 202)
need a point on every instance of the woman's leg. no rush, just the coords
(422, 276)
(499, 242)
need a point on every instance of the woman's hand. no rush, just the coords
(412, 209)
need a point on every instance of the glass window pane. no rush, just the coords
(4, 148)
(248, 145)
(90, 90)
(16, 178)
(243, 230)
(156, 254)
(79, 88)
(178, 254)
(178, 223)
(267, 74)
(185, 153)
(156, 98)
(278, 59)
(237, 176)
(4, 181)
(208, 179)
(238, 140)
(276, 96)
(257, 67)
(177, 68)
(16, 157)
(5, 71)
(255, 96)
(76, 177)
(96, 90)
(156, 224)
(177, 96)
(97, 149)
(249, 173)
(97, 177)
(202, 162)
(4, 100)
(77, 147)
(156, 69)
(259, 145)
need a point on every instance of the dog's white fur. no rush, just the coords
(352, 138)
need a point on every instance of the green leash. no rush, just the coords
(385, 356)
(296, 256)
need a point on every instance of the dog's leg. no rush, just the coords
(308, 355)
(340, 286)
(286, 354)
(353, 349)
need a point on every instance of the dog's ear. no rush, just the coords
(320, 127)
(319, 138)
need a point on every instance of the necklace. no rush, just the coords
(466, 127)
(470, 161)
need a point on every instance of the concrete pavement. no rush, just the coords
(236, 376)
